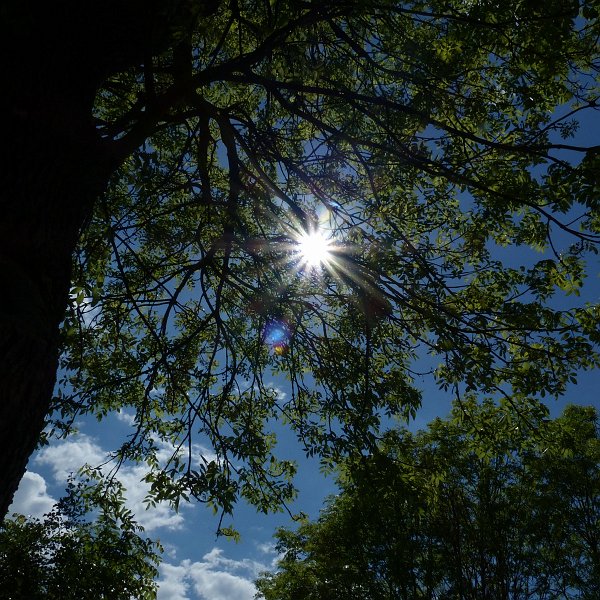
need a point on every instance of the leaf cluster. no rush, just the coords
(68, 556)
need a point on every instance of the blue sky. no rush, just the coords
(196, 565)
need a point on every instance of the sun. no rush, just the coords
(314, 248)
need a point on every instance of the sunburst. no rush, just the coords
(314, 249)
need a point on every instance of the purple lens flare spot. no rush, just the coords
(277, 335)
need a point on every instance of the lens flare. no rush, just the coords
(276, 335)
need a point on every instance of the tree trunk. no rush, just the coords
(52, 170)
(53, 165)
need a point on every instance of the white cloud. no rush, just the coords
(161, 515)
(169, 550)
(125, 417)
(172, 584)
(275, 389)
(220, 585)
(269, 549)
(84, 307)
(266, 548)
(68, 456)
(32, 498)
(90, 314)
(215, 558)
(214, 578)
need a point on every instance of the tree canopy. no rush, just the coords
(414, 140)
(67, 556)
(473, 507)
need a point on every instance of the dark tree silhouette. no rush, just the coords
(474, 507)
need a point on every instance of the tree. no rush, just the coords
(452, 512)
(66, 556)
(162, 162)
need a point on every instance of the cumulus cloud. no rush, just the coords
(173, 584)
(68, 456)
(161, 515)
(125, 417)
(32, 498)
(221, 585)
(215, 577)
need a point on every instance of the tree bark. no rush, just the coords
(53, 166)
(48, 188)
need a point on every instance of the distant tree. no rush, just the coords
(475, 508)
(163, 164)
(66, 556)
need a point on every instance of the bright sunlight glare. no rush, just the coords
(314, 248)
